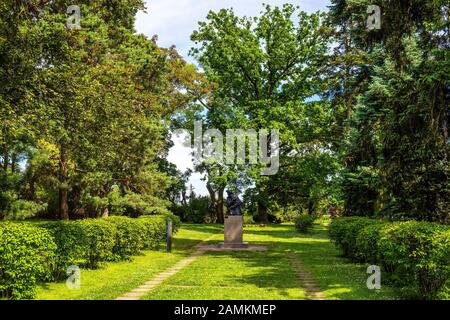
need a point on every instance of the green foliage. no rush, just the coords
(71, 244)
(118, 238)
(27, 255)
(19, 209)
(155, 229)
(198, 210)
(390, 85)
(248, 220)
(99, 239)
(130, 237)
(344, 232)
(266, 69)
(419, 254)
(79, 134)
(367, 243)
(415, 255)
(304, 222)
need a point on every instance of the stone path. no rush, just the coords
(141, 291)
(306, 280)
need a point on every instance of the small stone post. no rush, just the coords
(169, 229)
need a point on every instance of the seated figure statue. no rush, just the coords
(234, 204)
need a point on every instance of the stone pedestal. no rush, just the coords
(233, 231)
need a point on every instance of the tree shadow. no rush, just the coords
(337, 276)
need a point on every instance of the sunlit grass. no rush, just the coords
(115, 279)
(232, 275)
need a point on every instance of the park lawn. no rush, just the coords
(115, 279)
(269, 275)
(231, 275)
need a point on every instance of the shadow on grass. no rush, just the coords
(336, 276)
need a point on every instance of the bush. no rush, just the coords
(130, 237)
(344, 232)
(418, 254)
(99, 239)
(248, 220)
(87, 242)
(26, 256)
(415, 255)
(71, 245)
(367, 242)
(304, 222)
(155, 229)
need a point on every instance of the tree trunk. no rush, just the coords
(63, 179)
(311, 207)
(262, 216)
(217, 202)
(219, 208)
(13, 162)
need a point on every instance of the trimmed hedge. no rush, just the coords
(415, 255)
(70, 244)
(99, 239)
(344, 231)
(27, 255)
(129, 237)
(42, 251)
(418, 253)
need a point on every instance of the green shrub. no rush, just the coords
(304, 222)
(99, 238)
(367, 241)
(418, 254)
(130, 237)
(414, 255)
(26, 256)
(155, 227)
(155, 230)
(71, 245)
(344, 232)
(248, 219)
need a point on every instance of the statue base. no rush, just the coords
(233, 232)
(243, 245)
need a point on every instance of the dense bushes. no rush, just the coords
(304, 222)
(43, 251)
(129, 237)
(70, 244)
(345, 232)
(27, 255)
(414, 255)
(99, 240)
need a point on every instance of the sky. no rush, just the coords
(174, 20)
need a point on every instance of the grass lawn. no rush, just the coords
(231, 275)
(115, 279)
(269, 275)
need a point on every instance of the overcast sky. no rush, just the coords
(174, 20)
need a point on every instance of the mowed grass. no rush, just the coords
(232, 275)
(269, 275)
(115, 279)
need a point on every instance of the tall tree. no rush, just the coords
(266, 71)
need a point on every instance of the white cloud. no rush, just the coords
(181, 156)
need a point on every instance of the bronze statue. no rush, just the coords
(234, 204)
